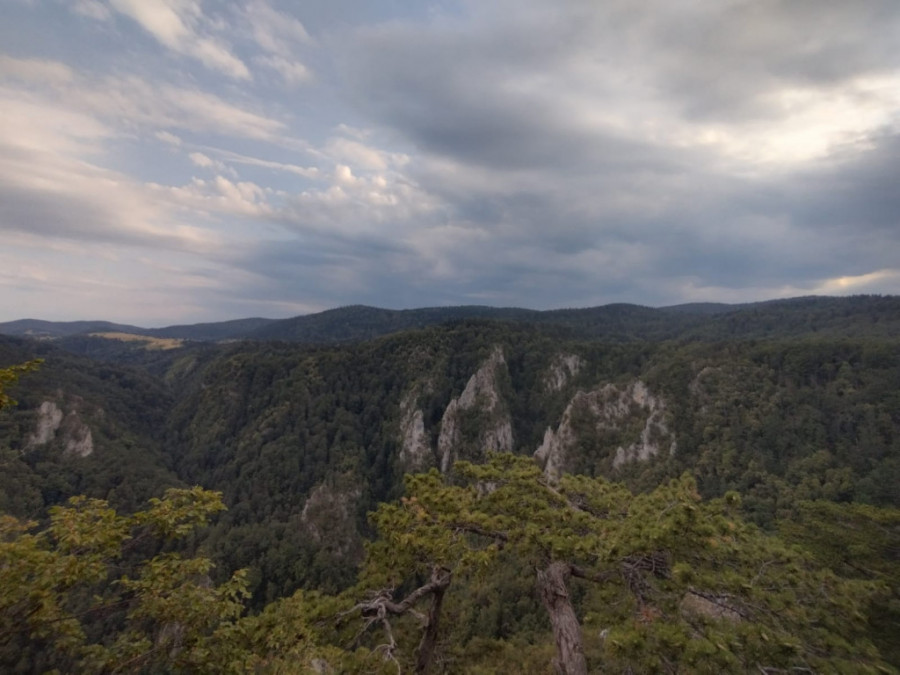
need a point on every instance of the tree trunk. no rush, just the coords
(566, 629)
(425, 652)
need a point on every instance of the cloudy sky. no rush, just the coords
(170, 161)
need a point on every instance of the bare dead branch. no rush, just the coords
(380, 605)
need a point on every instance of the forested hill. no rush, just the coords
(782, 403)
(859, 315)
(204, 332)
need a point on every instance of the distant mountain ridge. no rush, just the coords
(212, 332)
(56, 329)
(621, 321)
(201, 332)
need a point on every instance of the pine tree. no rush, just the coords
(675, 583)
(82, 595)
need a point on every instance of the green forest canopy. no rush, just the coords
(805, 429)
(672, 583)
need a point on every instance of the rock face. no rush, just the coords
(49, 419)
(77, 436)
(72, 433)
(563, 368)
(552, 453)
(608, 409)
(329, 519)
(481, 398)
(415, 450)
(655, 435)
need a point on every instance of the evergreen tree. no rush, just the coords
(678, 583)
(10, 375)
(83, 594)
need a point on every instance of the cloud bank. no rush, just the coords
(253, 158)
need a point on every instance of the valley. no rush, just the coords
(304, 434)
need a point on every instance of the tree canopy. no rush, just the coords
(10, 375)
(673, 583)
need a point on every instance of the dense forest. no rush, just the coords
(703, 488)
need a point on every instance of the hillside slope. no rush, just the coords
(304, 440)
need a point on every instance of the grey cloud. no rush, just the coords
(316, 272)
(451, 95)
(859, 190)
(495, 92)
(719, 60)
(94, 207)
(559, 154)
(38, 213)
(487, 102)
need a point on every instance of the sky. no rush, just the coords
(179, 161)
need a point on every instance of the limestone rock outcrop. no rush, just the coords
(68, 428)
(415, 449)
(481, 396)
(608, 408)
(563, 368)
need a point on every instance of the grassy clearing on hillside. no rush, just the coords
(152, 343)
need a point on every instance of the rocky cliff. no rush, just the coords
(476, 421)
(415, 451)
(73, 435)
(629, 418)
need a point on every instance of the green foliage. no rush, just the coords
(778, 421)
(10, 375)
(679, 583)
(78, 595)
(125, 411)
(267, 424)
(856, 541)
(772, 405)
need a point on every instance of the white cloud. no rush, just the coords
(35, 70)
(348, 206)
(93, 9)
(31, 124)
(353, 132)
(177, 107)
(358, 154)
(202, 160)
(77, 122)
(176, 24)
(280, 37)
(50, 183)
(292, 72)
(236, 158)
(206, 162)
(131, 100)
(275, 32)
(218, 197)
(134, 102)
(799, 124)
(167, 138)
(388, 207)
(166, 20)
(343, 175)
